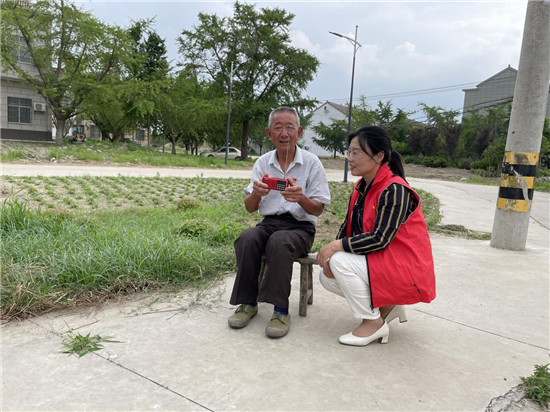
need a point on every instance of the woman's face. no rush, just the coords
(363, 162)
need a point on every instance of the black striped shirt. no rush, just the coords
(395, 205)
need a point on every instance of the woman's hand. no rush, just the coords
(324, 255)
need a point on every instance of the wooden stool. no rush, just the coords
(306, 279)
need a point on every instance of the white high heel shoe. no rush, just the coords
(381, 334)
(397, 311)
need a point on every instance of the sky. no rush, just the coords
(411, 51)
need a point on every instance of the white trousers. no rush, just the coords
(351, 281)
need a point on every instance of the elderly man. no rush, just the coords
(289, 203)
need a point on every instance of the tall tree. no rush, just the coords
(72, 51)
(126, 100)
(396, 122)
(481, 128)
(268, 71)
(150, 67)
(442, 131)
(186, 112)
(332, 137)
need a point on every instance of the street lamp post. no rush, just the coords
(228, 114)
(355, 48)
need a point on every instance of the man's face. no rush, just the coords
(284, 131)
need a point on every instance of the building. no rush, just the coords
(91, 131)
(24, 113)
(496, 90)
(326, 114)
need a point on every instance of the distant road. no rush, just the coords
(54, 169)
(455, 197)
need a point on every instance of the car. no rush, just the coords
(232, 153)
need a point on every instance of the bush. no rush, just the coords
(432, 161)
(464, 164)
(411, 159)
(537, 386)
(187, 203)
(402, 148)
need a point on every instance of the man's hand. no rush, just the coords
(293, 193)
(259, 188)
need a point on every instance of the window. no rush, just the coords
(94, 131)
(19, 110)
(21, 53)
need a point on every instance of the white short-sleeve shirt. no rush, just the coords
(309, 173)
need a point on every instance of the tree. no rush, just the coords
(452, 139)
(332, 137)
(187, 112)
(150, 62)
(149, 65)
(481, 128)
(396, 123)
(72, 51)
(442, 131)
(268, 71)
(127, 98)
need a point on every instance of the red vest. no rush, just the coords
(403, 272)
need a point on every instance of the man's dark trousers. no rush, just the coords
(281, 238)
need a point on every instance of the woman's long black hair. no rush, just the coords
(377, 140)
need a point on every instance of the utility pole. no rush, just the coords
(524, 132)
(228, 114)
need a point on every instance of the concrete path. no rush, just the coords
(488, 326)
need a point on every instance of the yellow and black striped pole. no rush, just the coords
(518, 181)
(515, 195)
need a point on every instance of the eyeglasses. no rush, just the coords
(279, 129)
(348, 154)
(353, 153)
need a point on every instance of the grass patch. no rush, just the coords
(115, 152)
(13, 155)
(537, 386)
(80, 345)
(53, 259)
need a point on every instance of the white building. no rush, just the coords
(326, 114)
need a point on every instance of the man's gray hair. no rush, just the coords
(283, 109)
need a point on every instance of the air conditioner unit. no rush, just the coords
(40, 107)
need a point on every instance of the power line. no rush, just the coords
(494, 103)
(431, 90)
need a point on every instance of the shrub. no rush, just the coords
(537, 386)
(193, 227)
(402, 148)
(464, 164)
(415, 160)
(14, 154)
(187, 203)
(432, 161)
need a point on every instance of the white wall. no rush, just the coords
(326, 113)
